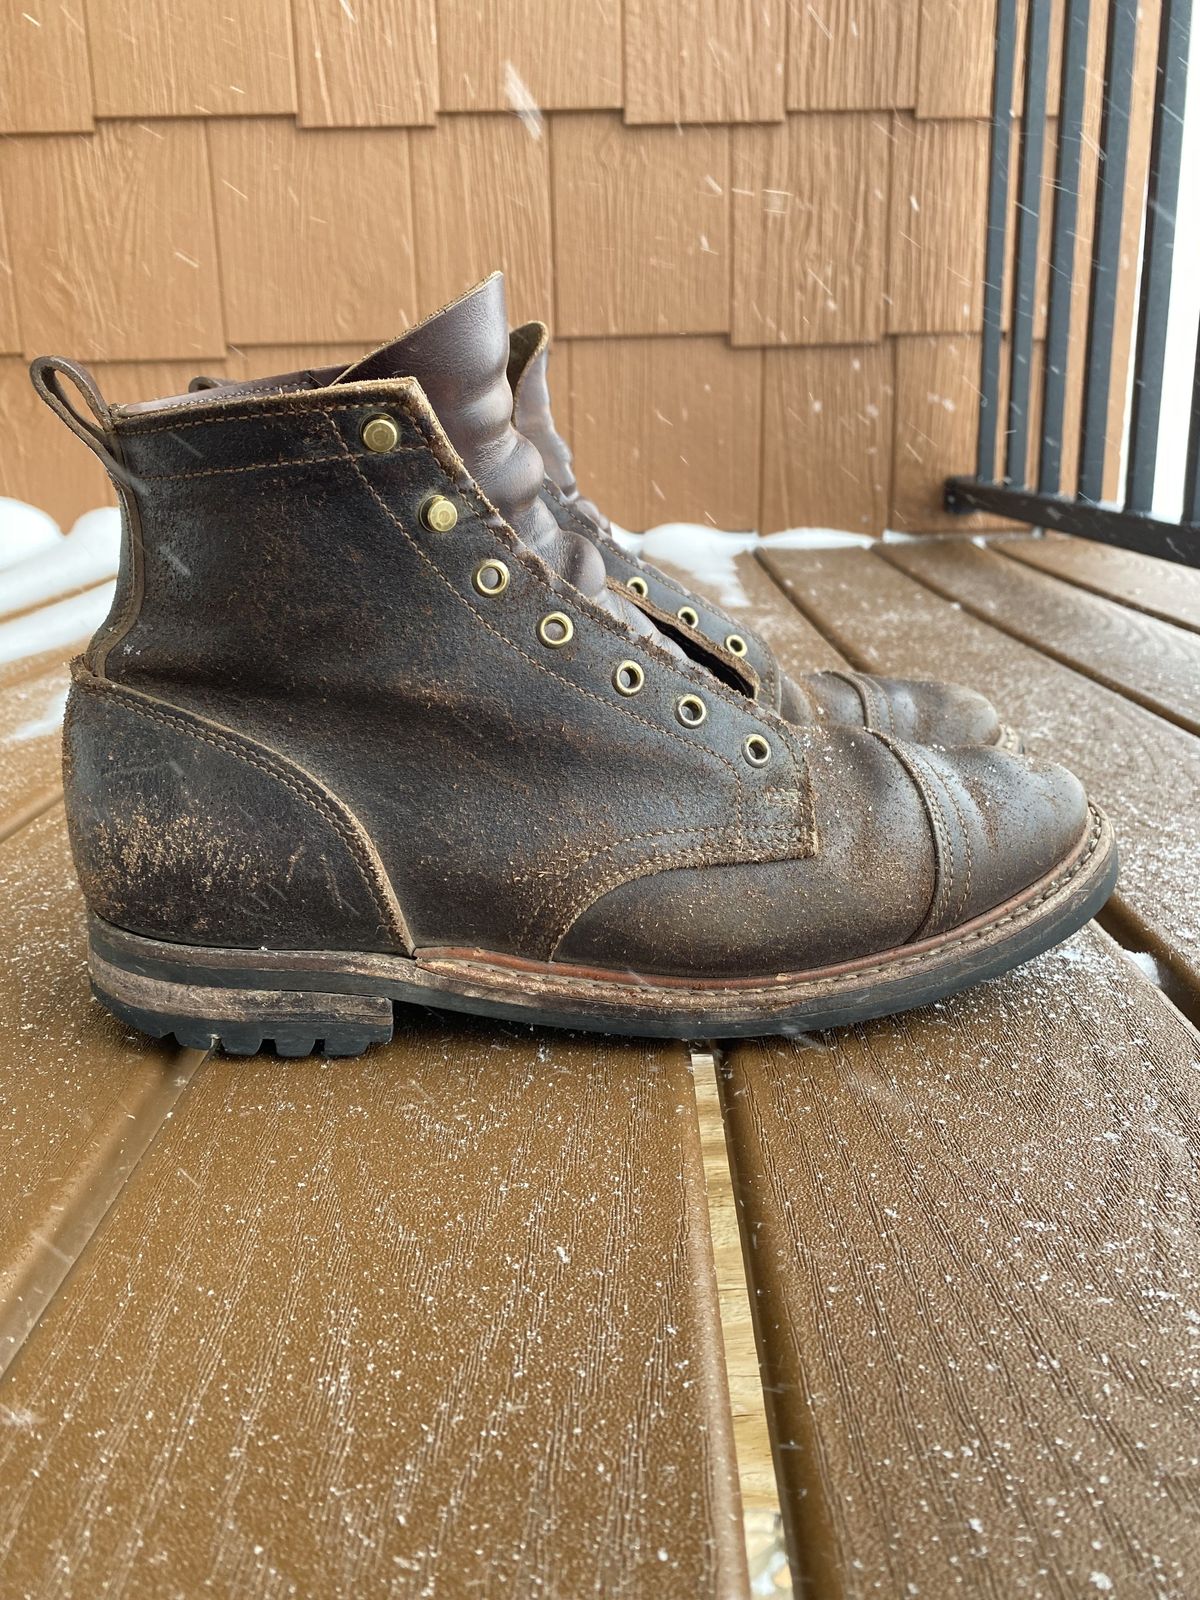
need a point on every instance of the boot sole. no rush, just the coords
(341, 1002)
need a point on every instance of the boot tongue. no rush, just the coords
(459, 356)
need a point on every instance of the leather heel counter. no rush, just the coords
(182, 830)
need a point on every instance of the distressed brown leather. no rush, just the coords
(922, 710)
(302, 721)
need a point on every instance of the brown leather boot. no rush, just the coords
(365, 724)
(940, 714)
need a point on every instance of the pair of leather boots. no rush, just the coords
(382, 713)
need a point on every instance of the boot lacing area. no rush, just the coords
(491, 578)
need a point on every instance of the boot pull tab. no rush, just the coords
(46, 374)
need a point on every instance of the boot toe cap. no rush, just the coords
(1001, 823)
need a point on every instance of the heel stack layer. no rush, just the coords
(243, 1021)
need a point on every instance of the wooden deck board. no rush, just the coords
(1144, 770)
(30, 747)
(1149, 661)
(1161, 588)
(445, 1315)
(445, 1319)
(973, 1233)
(80, 1096)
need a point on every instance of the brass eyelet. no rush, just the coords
(438, 514)
(491, 577)
(756, 750)
(628, 678)
(380, 434)
(690, 710)
(556, 629)
(639, 586)
(736, 645)
(689, 616)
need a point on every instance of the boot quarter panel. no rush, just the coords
(266, 525)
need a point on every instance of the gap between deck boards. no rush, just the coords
(56, 1245)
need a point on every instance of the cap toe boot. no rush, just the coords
(366, 725)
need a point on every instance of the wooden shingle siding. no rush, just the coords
(44, 81)
(301, 203)
(810, 219)
(935, 278)
(10, 330)
(852, 55)
(499, 54)
(192, 182)
(954, 62)
(112, 242)
(481, 200)
(191, 58)
(369, 65)
(827, 437)
(667, 429)
(710, 61)
(641, 227)
(937, 424)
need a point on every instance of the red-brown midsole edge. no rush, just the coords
(450, 959)
(439, 967)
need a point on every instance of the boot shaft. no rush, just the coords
(363, 622)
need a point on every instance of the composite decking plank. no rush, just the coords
(1161, 588)
(1143, 770)
(442, 1320)
(973, 1235)
(80, 1096)
(30, 746)
(1150, 661)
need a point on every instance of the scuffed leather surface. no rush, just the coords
(180, 832)
(290, 591)
(280, 583)
(999, 823)
(924, 712)
(872, 823)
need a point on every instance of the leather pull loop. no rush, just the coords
(46, 373)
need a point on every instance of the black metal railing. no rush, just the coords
(1030, 486)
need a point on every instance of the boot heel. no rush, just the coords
(241, 1021)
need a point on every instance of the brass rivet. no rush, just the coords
(736, 645)
(491, 577)
(556, 629)
(756, 750)
(689, 616)
(638, 586)
(438, 514)
(380, 434)
(690, 710)
(628, 678)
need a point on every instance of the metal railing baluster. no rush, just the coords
(1062, 242)
(1106, 244)
(1162, 197)
(1097, 280)
(1191, 483)
(997, 227)
(1029, 206)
